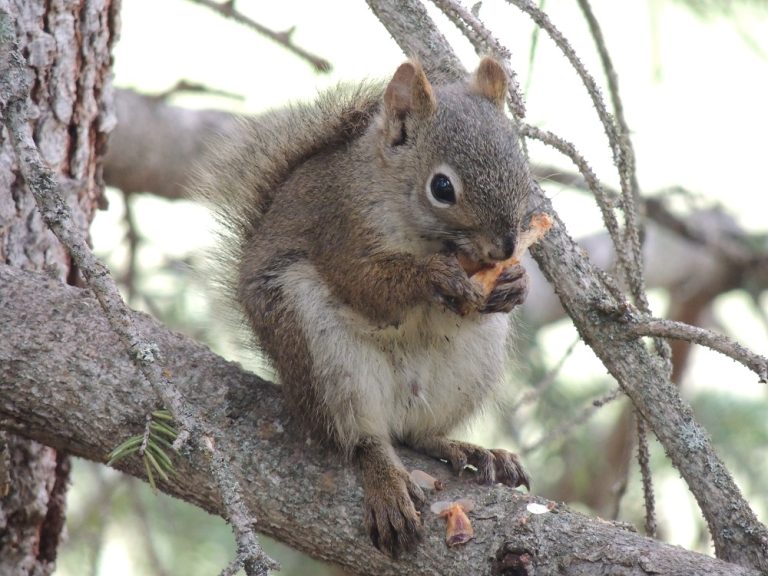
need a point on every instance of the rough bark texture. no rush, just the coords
(67, 47)
(66, 381)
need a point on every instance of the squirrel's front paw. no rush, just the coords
(511, 290)
(451, 286)
(391, 515)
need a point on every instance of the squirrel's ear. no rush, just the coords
(409, 92)
(491, 81)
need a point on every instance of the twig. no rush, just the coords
(580, 418)
(604, 201)
(196, 87)
(644, 460)
(717, 342)
(619, 491)
(228, 10)
(484, 42)
(145, 525)
(14, 90)
(532, 52)
(546, 381)
(630, 192)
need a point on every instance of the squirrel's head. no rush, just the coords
(458, 159)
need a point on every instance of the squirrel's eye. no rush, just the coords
(442, 190)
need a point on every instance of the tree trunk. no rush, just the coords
(67, 46)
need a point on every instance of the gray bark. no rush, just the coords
(66, 381)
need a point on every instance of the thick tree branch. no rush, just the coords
(58, 349)
(154, 144)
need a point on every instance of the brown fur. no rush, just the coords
(344, 264)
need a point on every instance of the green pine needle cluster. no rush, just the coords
(160, 437)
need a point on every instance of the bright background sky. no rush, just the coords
(694, 90)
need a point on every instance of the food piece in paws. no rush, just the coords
(487, 275)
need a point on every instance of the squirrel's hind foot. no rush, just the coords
(391, 500)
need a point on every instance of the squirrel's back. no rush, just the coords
(244, 168)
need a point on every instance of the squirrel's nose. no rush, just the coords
(509, 245)
(502, 248)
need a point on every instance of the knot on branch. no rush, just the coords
(512, 560)
(146, 352)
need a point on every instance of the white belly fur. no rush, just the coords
(420, 378)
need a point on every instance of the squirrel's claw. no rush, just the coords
(511, 290)
(391, 515)
(451, 286)
(492, 465)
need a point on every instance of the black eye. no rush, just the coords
(442, 189)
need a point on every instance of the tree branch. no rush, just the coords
(718, 342)
(58, 349)
(227, 9)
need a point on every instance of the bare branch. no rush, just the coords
(228, 10)
(644, 459)
(197, 88)
(485, 43)
(581, 417)
(718, 342)
(545, 382)
(604, 201)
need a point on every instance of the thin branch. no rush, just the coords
(484, 42)
(717, 342)
(578, 419)
(604, 201)
(545, 382)
(196, 88)
(285, 39)
(141, 515)
(644, 459)
(532, 52)
(14, 90)
(631, 195)
(133, 240)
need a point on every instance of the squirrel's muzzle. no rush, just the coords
(500, 248)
